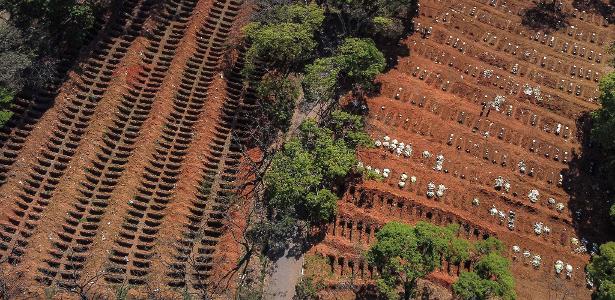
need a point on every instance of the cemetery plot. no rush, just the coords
(477, 127)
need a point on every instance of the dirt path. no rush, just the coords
(286, 273)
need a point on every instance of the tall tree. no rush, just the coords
(278, 94)
(283, 37)
(490, 279)
(406, 253)
(361, 60)
(601, 270)
(604, 121)
(15, 57)
(357, 17)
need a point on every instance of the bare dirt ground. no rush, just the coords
(464, 54)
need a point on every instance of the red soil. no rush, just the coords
(132, 70)
(435, 92)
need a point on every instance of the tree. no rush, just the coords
(301, 180)
(350, 128)
(67, 21)
(285, 38)
(332, 156)
(310, 15)
(489, 245)
(356, 17)
(604, 121)
(545, 17)
(404, 253)
(278, 95)
(357, 61)
(6, 98)
(306, 289)
(320, 82)
(292, 175)
(604, 118)
(321, 206)
(303, 172)
(15, 57)
(281, 46)
(612, 213)
(34, 38)
(491, 276)
(458, 251)
(387, 28)
(491, 279)
(601, 270)
(274, 233)
(497, 268)
(470, 286)
(361, 59)
(606, 290)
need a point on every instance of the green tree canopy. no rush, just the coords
(15, 57)
(606, 290)
(6, 98)
(302, 175)
(489, 245)
(604, 122)
(470, 286)
(356, 60)
(278, 94)
(292, 176)
(321, 205)
(406, 253)
(283, 38)
(361, 60)
(281, 46)
(604, 119)
(301, 180)
(387, 28)
(601, 269)
(357, 16)
(350, 128)
(494, 266)
(310, 15)
(491, 278)
(67, 21)
(320, 82)
(332, 156)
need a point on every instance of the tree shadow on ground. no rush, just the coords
(589, 188)
(545, 16)
(605, 8)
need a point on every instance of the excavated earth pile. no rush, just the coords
(477, 126)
